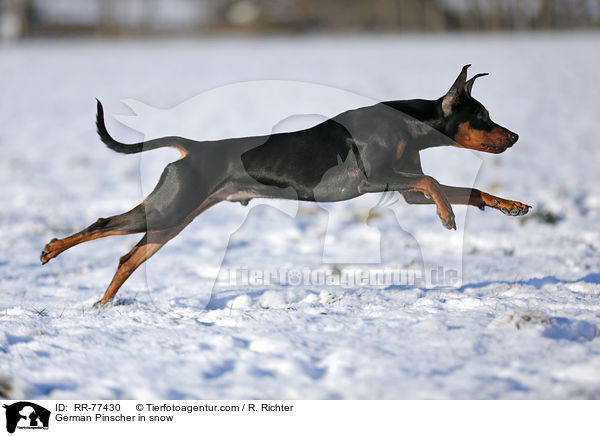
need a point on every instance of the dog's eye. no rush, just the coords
(481, 116)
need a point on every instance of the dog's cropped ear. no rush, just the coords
(455, 91)
(469, 84)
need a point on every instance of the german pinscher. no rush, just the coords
(364, 150)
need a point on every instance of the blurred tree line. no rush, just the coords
(22, 18)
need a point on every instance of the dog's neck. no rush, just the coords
(428, 112)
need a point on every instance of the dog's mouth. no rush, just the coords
(494, 148)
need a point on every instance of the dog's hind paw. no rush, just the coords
(49, 251)
(99, 305)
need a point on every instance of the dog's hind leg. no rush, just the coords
(127, 223)
(151, 242)
(164, 208)
(148, 245)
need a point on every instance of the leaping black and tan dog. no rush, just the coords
(370, 149)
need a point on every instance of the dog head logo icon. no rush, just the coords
(26, 415)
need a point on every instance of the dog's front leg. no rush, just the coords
(408, 182)
(472, 197)
(431, 188)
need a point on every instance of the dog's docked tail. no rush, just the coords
(113, 144)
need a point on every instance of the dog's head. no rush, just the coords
(468, 123)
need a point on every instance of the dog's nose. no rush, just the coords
(513, 137)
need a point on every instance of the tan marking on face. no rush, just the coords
(400, 148)
(494, 141)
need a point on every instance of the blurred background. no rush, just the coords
(26, 18)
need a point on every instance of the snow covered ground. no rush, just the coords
(524, 324)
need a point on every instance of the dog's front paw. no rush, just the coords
(514, 208)
(447, 217)
(507, 207)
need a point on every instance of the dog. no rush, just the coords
(365, 150)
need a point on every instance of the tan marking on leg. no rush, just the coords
(148, 245)
(430, 187)
(55, 247)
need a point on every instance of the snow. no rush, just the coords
(524, 323)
